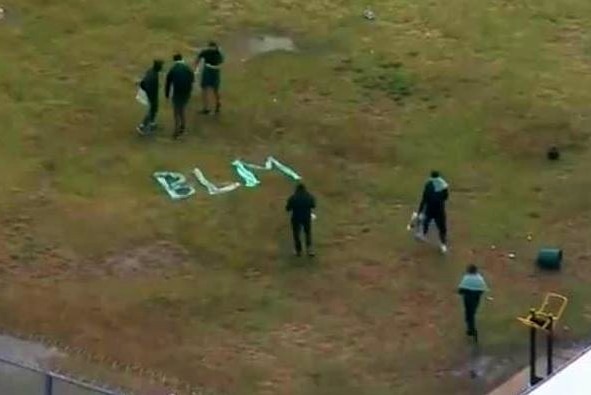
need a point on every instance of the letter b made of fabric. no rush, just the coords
(175, 184)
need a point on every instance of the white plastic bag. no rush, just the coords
(142, 97)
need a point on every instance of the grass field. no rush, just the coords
(363, 110)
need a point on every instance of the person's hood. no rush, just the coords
(439, 184)
(473, 282)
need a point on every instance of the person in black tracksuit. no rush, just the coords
(432, 207)
(151, 84)
(301, 205)
(180, 78)
(471, 289)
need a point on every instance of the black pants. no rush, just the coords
(296, 227)
(471, 302)
(150, 117)
(179, 106)
(439, 217)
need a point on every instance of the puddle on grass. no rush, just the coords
(264, 44)
(246, 47)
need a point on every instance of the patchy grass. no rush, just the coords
(363, 111)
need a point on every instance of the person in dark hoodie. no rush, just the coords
(301, 205)
(180, 79)
(151, 85)
(432, 208)
(212, 59)
(471, 289)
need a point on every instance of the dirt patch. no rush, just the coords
(153, 259)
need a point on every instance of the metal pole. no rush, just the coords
(532, 356)
(48, 384)
(550, 346)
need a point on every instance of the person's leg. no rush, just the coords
(153, 113)
(218, 100)
(441, 223)
(469, 315)
(205, 99)
(182, 117)
(177, 118)
(308, 233)
(427, 218)
(296, 228)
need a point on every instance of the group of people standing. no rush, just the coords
(179, 87)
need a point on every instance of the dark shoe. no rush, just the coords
(311, 254)
(205, 111)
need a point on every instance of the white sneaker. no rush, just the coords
(443, 249)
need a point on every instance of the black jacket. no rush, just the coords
(180, 78)
(431, 200)
(301, 206)
(150, 84)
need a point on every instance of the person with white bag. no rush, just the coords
(432, 208)
(148, 92)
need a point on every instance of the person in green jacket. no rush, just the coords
(471, 288)
(212, 59)
(180, 79)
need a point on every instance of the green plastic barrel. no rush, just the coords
(550, 258)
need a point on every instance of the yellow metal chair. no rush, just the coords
(546, 315)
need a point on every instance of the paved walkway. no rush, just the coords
(517, 384)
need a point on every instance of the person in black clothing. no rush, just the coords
(180, 78)
(471, 289)
(150, 84)
(301, 204)
(212, 59)
(432, 208)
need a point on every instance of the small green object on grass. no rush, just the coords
(549, 258)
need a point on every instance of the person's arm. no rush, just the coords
(289, 205)
(424, 197)
(445, 194)
(142, 84)
(198, 61)
(168, 84)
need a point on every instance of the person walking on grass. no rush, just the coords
(301, 205)
(180, 79)
(150, 84)
(432, 208)
(471, 289)
(212, 59)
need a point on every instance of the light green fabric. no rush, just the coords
(473, 282)
(245, 172)
(177, 186)
(439, 184)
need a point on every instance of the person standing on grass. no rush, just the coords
(180, 78)
(151, 85)
(471, 289)
(432, 208)
(301, 205)
(212, 59)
